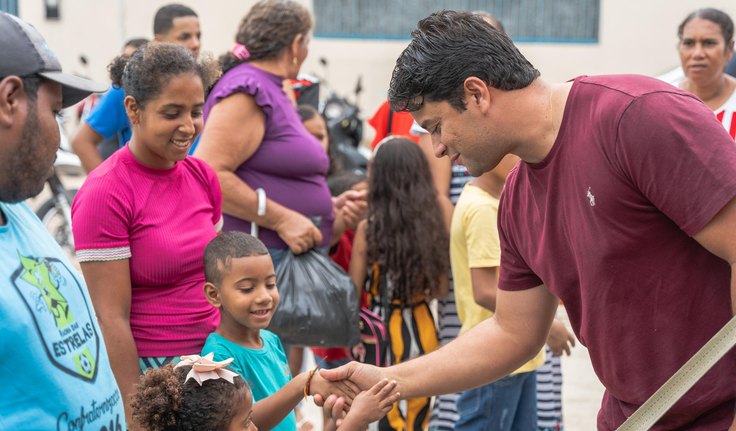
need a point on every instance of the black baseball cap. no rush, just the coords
(24, 52)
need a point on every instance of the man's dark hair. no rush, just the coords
(224, 248)
(344, 181)
(448, 47)
(31, 84)
(136, 42)
(306, 112)
(164, 19)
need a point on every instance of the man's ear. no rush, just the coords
(12, 94)
(132, 109)
(212, 295)
(477, 93)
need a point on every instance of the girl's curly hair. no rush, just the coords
(144, 74)
(164, 402)
(406, 234)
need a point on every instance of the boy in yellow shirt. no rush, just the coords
(475, 254)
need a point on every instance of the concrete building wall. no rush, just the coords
(636, 36)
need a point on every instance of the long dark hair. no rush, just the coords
(406, 235)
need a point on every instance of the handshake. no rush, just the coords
(354, 395)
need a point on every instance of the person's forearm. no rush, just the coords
(441, 372)
(351, 424)
(241, 201)
(270, 411)
(338, 227)
(86, 150)
(124, 360)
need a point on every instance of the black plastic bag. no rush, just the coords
(318, 303)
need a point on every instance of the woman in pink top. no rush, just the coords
(143, 218)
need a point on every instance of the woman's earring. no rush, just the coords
(293, 61)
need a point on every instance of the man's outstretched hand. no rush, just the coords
(363, 376)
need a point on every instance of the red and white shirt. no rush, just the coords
(726, 114)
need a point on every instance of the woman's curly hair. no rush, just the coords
(406, 234)
(269, 27)
(164, 402)
(144, 74)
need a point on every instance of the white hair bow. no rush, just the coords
(204, 368)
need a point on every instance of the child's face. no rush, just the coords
(243, 419)
(316, 127)
(248, 295)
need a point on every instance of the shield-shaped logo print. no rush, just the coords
(61, 313)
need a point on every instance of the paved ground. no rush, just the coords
(581, 391)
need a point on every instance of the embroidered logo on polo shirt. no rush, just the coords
(591, 197)
(61, 314)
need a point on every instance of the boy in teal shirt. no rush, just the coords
(241, 283)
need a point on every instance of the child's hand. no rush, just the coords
(343, 389)
(371, 405)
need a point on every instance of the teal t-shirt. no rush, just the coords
(54, 370)
(266, 369)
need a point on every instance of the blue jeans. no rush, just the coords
(509, 404)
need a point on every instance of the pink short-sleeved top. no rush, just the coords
(161, 220)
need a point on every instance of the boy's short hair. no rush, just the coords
(163, 21)
(227, 246)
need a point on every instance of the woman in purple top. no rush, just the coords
(254, 138)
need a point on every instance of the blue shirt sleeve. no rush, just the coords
(108, 117)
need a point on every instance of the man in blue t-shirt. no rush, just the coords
(173, 23)
(55, 370)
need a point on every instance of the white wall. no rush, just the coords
(636, 36)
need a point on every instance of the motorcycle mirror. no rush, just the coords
(359, 85)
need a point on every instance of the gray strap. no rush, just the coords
(684, 379)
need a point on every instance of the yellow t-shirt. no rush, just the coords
(474, 243)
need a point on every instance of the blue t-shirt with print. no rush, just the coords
(266, 370)
(55, 371)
